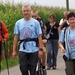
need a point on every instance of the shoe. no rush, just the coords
(54, 67)
(44, 72)
(48, 67)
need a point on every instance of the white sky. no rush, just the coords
(53, 3)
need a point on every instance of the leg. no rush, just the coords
(69, 67)
(0, 50)
(44, 61)
(49, 49)
(54, 52)
(33, 59)
(44, 57)
(0, 54)
(74, 65)
(23, 60)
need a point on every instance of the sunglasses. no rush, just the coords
(51, 18)
(34, 16)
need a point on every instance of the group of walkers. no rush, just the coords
(38, 40)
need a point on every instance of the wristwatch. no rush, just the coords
(41, 49)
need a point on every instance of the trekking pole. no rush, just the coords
(0, 65)
(6, 57)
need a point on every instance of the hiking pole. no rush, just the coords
(0, 55)
(6, 56)
(0, 65)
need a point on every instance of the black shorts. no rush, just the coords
(0, 48)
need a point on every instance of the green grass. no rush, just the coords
(11, 63)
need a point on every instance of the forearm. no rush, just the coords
(62, 47)
(15, 42)
(40, 41)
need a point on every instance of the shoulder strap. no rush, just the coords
(64, 35)
(65, 31)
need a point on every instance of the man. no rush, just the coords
(28, 30)
(34, 14)
(3, 36)
(63, 22)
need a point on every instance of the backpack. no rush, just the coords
(42, 26)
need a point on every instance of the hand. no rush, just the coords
(4, 40)
(40, 54)
(65, 20)
(44, 41)
(14, 54)
(62, 50)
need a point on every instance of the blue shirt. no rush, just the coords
(71, 40)
(28, 29)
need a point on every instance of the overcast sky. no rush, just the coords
(54, 3)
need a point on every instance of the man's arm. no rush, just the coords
(40, 41)
(40, 54)
(5, 32)
(60, 26)
(62, 47)
(14, 45)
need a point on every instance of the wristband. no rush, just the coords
(41, 49)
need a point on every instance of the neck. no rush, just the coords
(52, 23)
(27, 18)
(72, 27)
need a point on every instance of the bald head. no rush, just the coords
(66, 13)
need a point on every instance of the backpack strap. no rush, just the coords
(27, 40)
(64, 35)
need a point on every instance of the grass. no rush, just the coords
(11, 63)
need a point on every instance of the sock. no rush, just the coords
(43, 67)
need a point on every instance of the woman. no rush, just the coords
(52, 44)
(67, 36)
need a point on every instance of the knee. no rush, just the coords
(23, 68)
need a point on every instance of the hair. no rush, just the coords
(66, 12)
(52, 15)
(34, 11)
(26, 5)
(71, 14)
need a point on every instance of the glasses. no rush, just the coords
(34, 16)
(51, 18)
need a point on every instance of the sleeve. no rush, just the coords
(60, 21)
(16, 28)
(5, 30)
(38, 28)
